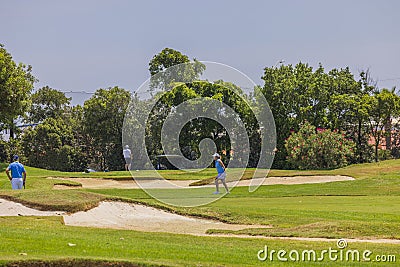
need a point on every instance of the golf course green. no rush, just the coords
(367, 208)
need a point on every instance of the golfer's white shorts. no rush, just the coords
(17, 183)
(221, 176)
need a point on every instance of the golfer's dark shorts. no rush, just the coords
(128, 160)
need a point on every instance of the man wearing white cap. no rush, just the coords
(18, 174)
(128, 157)
(219, 165)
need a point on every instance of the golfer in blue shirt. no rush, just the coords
(18, 174)
(219, 165)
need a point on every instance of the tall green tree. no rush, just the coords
(328, 100)
(16, 84)
(349, 109)
(350, 113)
(201, 127)
(295, 94)
(52, 145)
(103, 116)
(383, 106)
(48, 103)
(167, 58)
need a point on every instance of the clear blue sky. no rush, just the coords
(85, 45)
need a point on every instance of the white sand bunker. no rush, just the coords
(119, 215)
(10, 208)
(99, 183)
(315, 179)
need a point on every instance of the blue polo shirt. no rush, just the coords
(219, 167)
(16, 169)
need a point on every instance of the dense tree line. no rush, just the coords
(72, 138)
(57, 135)
(334, 100)
(341, 111)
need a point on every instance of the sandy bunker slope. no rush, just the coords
(98, 183)
(10, 208)
(119, 215)
(315, 179)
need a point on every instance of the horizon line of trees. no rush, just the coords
(349, 110)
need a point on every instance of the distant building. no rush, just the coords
(386, 140)
(5, 134)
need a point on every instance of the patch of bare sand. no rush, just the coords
(315, 179)
(10, 208)
(98, 183)
(119, 215)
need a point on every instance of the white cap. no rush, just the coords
(126, 146)
(216, 155)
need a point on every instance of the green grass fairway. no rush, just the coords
(367, 208)
(48, 238)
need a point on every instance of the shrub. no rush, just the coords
(384, 154)
(312, 148)
(51, 145)
(10, 148)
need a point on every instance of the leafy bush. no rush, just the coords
(51, 145)
(312, 148)
(9, 149)
(384, 154)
